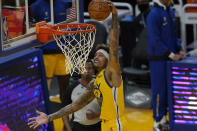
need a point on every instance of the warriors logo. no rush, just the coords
(97, 91)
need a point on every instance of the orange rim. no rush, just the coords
(56, 29)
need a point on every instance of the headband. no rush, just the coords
(105, 53)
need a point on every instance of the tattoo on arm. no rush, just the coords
(83, 100)
(114, 43)
(113, 73)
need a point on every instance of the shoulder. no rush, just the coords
(154, 15)
(100, 75)
(154, 12)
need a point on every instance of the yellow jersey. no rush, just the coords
(112, 98)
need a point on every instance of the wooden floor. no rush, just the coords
(139, 119)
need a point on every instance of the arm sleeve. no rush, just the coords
(154, 25)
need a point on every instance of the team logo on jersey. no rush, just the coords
(97, 91)
(98, 85)
(165, 21)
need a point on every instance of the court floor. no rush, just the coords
(138, 119)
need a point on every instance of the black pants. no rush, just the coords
(79, 127)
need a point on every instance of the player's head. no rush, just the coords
(101, 57)
(89, 70)
(166, 2)
(143, 5)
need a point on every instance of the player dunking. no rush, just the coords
(108, 87)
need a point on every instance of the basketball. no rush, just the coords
(99, 9)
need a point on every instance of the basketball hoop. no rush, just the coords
(75, 41)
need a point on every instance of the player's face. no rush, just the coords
(89, 71)
(100, 61)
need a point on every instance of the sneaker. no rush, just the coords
(165, 126)
(157, 128)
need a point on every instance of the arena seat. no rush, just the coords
(178, 5)
(139, 70)
(188, 18)
(137, 89)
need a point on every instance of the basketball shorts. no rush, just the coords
(115, 125)
(54, 65)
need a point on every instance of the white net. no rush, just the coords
(76, 47)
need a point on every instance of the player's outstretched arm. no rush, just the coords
(113, 69)
(82, 101)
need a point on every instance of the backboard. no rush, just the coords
(18, 18)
